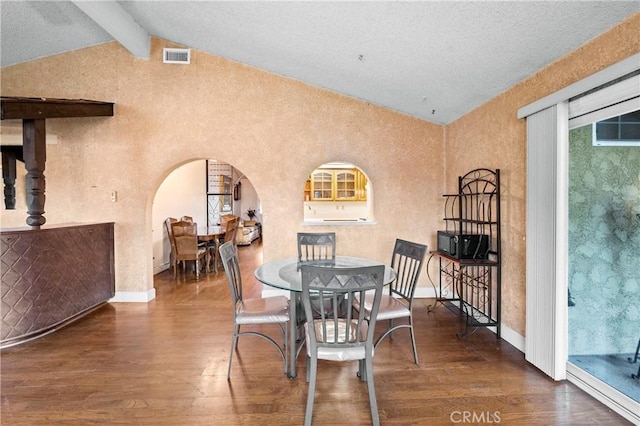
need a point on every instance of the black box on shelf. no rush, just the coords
(463, 246)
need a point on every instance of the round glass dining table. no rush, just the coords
(285, 274)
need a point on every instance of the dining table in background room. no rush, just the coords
(208, 234)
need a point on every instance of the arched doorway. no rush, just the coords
(189, 190)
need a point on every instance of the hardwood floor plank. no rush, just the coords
(165, 363)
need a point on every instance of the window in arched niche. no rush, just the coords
(337, 193)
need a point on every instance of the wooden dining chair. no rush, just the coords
(226, 218)
(229, 223)
(254, 311)
(187, 248)
(347, 336)
(231, 230)
(168, 223)
(406, 261)
(187, 219)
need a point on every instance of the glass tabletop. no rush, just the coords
(285, 274)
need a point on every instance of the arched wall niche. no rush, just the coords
(337, 193)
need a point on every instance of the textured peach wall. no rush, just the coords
(492, 136)
(276, 130)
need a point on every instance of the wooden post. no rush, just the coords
(10, 155)
(35, 156)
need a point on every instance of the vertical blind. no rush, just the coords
(547, 228)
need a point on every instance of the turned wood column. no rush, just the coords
(35, 156)
(10, 155)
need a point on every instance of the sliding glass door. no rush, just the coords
(583, 246)
(604, 254)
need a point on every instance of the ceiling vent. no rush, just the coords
(176, 56)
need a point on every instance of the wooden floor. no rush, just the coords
(165, 363)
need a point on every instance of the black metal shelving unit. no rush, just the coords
(471, 287)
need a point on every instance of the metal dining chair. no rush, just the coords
(316, 247)
(257, 311)
(407, 262)
(345, 335)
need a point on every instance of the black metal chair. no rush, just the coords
(266, 310)
(346, 334)
(634, 360)
(407, 261)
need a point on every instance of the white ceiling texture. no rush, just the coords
(435, 60)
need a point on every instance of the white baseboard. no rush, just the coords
(160, 268)
(513, 338)
(425, 293)
(134, 296)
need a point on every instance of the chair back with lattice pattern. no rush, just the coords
(229, 257)
(407, 261)
(340, 325)
(316, 246)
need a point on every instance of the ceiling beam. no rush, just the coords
(37, 108)
(120, 24)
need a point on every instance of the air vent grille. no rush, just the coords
(176, 56)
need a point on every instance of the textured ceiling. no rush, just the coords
(435, 60)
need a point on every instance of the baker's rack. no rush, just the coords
(471, 287)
